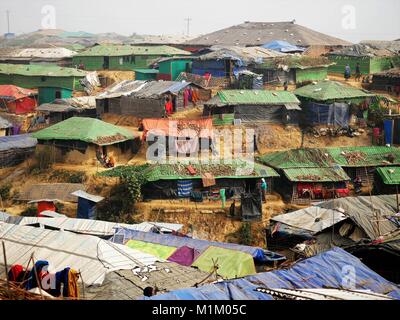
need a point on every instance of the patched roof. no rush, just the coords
(258, 33)
(331, 90)
(332, 174)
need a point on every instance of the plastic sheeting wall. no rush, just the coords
(337, 114)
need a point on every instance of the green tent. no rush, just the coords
(154, 249)
(88, 130)
(231, 263)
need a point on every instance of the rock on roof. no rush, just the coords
(259, 33)
(85, 129)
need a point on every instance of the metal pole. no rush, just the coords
(188, 24)
(397, 198)
(5, 264)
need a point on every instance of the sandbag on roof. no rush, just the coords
(122, 235)
(94, 257)
(231, 263)
(157, 250)
(322, 271)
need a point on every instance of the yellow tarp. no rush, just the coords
(231, 263)
(154, 249)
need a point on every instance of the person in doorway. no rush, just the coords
(111, 162)
(232, 209)
(285, 86)
(81, 66)
(357, 184)
(263, 186)
(358, 72)
(223, 197)
(168, 106)
(347, 72)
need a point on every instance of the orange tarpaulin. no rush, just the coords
(45, 206)
(201, 128)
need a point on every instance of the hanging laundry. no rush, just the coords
(34, 281)
(185, 98)
(73, 289)
(16, 273)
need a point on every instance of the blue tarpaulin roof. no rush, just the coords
(330, 269)
(17, 142)
(282, 46)
(122, 235)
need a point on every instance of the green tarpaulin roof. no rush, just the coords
(125, 50)
(236, 170)
(298, 158)
(40, 70)
(389, 175)
(154, 249)
(330, 90)
(150, 71)
(85, 129)
(231, 263)
(332, 174)
(257, 97)
(365, 156)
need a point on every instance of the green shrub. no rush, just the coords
(246, 237)
(5, 191)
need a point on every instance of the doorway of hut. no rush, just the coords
(106, 63)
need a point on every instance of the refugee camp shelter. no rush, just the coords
(363, 161)
(206, 82)
(86, 204)
(388, 81)
(41, 76)
(331, 103)
(322, 271)
(146, 74)
(258, 33)
(109, 101)
(365, 226)
(170, 68)
(5, 127)
(251, 106)
(15, 149)
(307, 175)
(63, 109)
(283, 47)
(294, 70)
(77, 139)
(227, 61)
(150, 100)
(123, 57)
(372, 59)
(178, 136)
(200, 181)
(17, 100)
(52, 55)
(388, 180)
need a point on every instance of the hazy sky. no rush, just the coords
(361, 19)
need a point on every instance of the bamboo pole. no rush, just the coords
(5, 264)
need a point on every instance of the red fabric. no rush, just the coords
(164, 76)
(168, 107)
(44, 206)
(342, 192)
(14, 272)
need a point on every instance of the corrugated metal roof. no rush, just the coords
(89, 130)
(17, 142)
(77, 104)
(90, 255)
(125, 50)
(257, 97)
(331, 90)
(316, 174)
(389, 175)
(53, 53)
(87, 196)
(156, 88)
(146, 71)
(40, 70)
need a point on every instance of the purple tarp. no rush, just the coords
(184, 256)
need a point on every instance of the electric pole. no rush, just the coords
(8, 21)
(188, 24)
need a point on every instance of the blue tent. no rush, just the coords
(122, 234)
(335, 268)
(282, 46)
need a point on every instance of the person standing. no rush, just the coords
(358, 72)
(223, 197)
(263, 189)
(347, 72)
